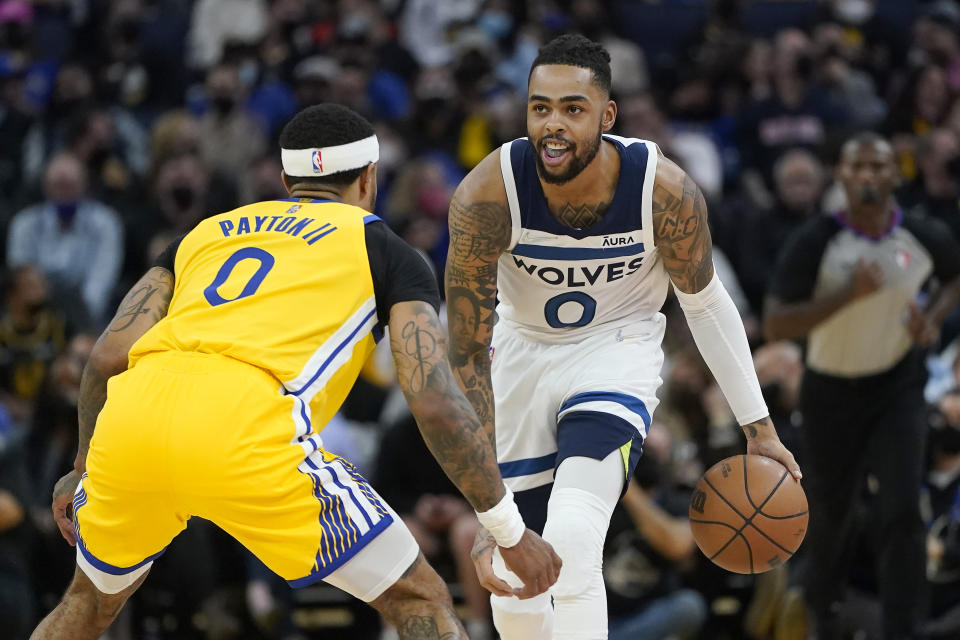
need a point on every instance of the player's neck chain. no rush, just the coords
(580, 216)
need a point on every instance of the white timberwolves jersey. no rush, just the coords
(559, 284)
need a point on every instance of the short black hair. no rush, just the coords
(325, 125)
(577, 51)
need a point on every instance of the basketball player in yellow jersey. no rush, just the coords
(211, 385)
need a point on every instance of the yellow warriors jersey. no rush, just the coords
(283, 285)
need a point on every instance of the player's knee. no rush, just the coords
(419, 586)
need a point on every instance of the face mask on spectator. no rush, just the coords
(495, 24)
(183, 197)
(66, 211)
(223, 105)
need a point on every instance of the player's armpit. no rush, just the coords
(479, 232)
(140, 309)
(680, 228)
(447, 422)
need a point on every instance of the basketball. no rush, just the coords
(748, 514)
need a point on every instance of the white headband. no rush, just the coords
(309, 163)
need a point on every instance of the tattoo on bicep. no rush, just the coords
(156, 293)
(682, 235)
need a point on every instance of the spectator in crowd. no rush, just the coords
(941, 503)
(793, 116)
(215, 23)
(32, 334)
(77, 242)
(754, 237)
(848, 283)
(936, 190)
(648, 546)
(229, 138)
(16, 588)
(639, 116)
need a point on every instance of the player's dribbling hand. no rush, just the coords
(62, 501)
(535, 563)
(762, 440)
(771, 447)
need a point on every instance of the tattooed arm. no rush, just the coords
(449, 426)
(142, 307)
(455, 436)
(479, 232)
(682, 237)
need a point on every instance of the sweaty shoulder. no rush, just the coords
(479, 209)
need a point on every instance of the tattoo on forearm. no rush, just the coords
(481, 545)
(681, 232)
(751, 429)
(479, 233)
(447, 421)
(421, 345)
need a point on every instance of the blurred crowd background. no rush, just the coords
(124, 122)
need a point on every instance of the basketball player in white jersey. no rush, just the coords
(580, 234)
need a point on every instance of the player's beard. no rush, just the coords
(578, 162)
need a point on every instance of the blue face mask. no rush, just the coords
(497, 25)
(66, 211)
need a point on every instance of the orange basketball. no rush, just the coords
(748, 514)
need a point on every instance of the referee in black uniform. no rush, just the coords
(868, 288)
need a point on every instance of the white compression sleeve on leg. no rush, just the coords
(718, 331)
(516, 619)
(584, 495)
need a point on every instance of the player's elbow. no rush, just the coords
(107, 359)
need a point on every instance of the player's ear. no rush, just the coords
(368, 179)
(609, 116)
(285, 179)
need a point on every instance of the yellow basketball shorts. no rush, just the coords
(186, 434)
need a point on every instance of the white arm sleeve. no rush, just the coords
(718, 331)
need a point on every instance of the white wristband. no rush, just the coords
(504, 521)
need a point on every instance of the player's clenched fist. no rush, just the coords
(532, 559)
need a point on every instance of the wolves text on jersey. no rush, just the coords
(581, 275)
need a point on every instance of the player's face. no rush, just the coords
(868, 173)
(566, 114)
(464, 322)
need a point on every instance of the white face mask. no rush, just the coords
(853, 11)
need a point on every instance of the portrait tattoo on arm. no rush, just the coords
(479, 233)
(681, 232)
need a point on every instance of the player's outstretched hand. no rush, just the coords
(535, 563)
(62, 501)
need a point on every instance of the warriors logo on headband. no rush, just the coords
(307, 163)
